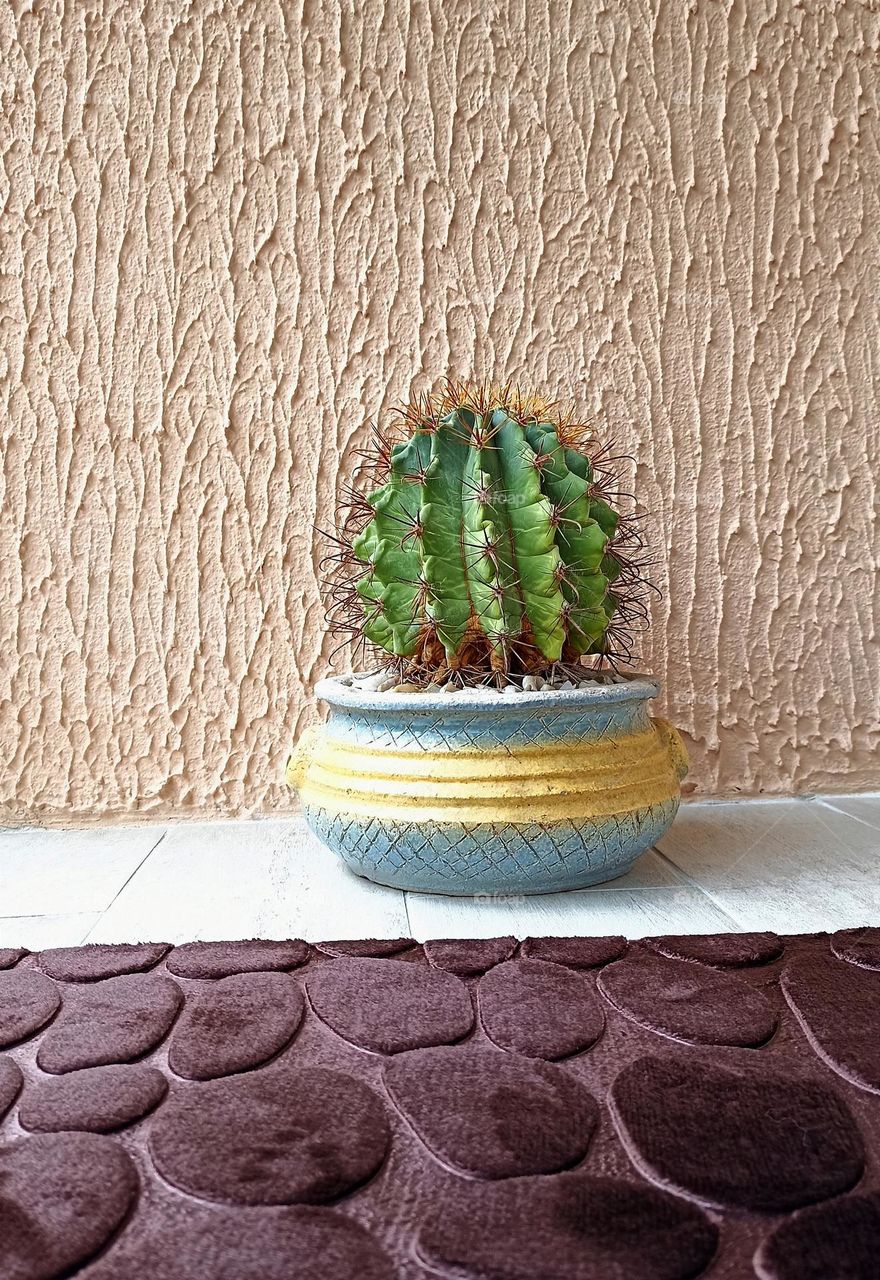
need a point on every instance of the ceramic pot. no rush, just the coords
(489, 793)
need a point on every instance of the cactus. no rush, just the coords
(490, 544)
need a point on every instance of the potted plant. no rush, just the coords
(486, 563)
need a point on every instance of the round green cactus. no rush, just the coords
(491, 545)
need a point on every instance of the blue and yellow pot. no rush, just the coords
(478, 792)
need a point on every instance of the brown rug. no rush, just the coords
(558, 1109)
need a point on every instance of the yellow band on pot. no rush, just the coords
(557, 781)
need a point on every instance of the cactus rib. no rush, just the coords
(489, 545)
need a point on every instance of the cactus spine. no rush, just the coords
(489, 546)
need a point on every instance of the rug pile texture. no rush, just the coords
(551, 1109)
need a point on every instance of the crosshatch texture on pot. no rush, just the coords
(458, 792)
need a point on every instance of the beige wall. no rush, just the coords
(229, 232)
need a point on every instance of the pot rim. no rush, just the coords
(338, 693)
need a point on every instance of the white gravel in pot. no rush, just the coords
(385, 682)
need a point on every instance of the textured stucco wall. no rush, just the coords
(230, 232)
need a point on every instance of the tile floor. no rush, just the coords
(789, 865)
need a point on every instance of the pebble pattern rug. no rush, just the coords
(555, 1109)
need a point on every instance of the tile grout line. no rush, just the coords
(152, 849)
(872, 826)
(835, 835)
(695, 884)
(754, 845)
(89, 930)
(48, 915)
(406, 912)
(670, 862)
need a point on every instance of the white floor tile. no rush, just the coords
(795, 867)
(58, 872)
(863, 808)
(267, 879)
(764, 843)
(803, 908)
(635, 913)
(40, 932)
(791, 866)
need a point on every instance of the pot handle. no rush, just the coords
(671, 739)
(298, 761)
